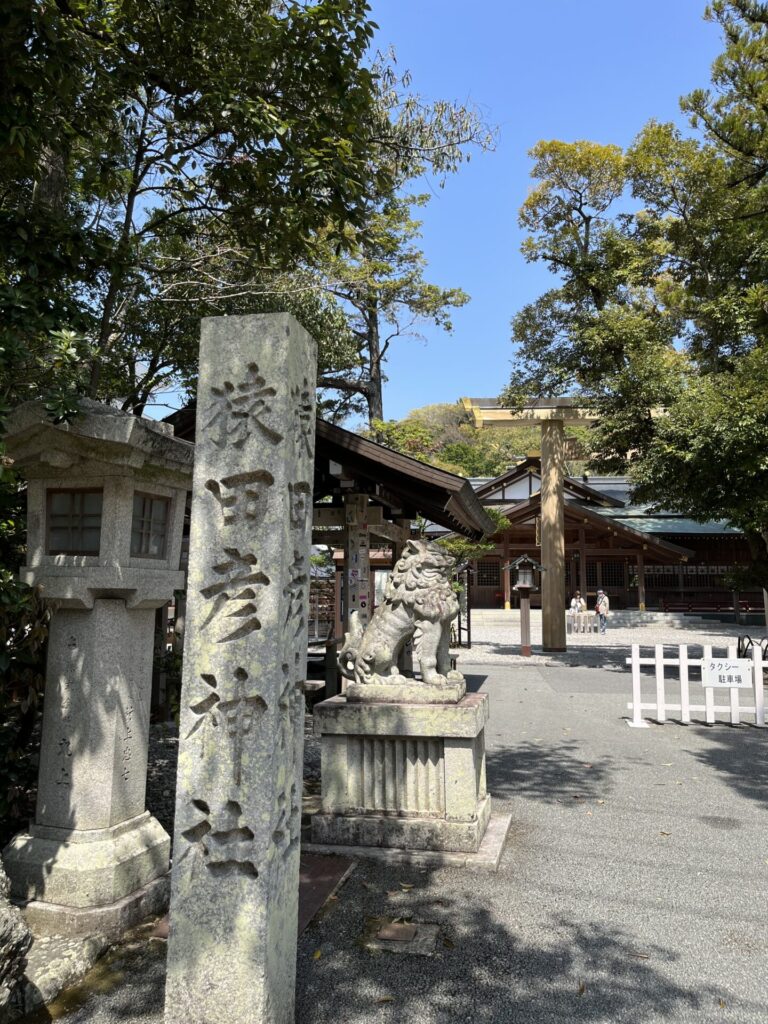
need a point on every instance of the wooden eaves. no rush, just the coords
(532, 465)
(404, 485)
(519, 512)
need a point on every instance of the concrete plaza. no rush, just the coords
(496, 637)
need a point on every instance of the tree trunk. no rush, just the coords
(374, 396)
(121, 260)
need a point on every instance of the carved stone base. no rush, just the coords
(408, 691)
(111, 920)
(85, 869)
(402, 833)
(405, 776)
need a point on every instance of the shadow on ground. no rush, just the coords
(611, 658)
(739, 754)
(483, 971)
(547, 772)
(475, 682)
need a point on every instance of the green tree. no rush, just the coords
(660, 314)
(464, 550)
(125, 123)
(381, 286)
(445, 436)
(379, 278)
(709, 455)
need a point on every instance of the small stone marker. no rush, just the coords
(397, 932)
(386, 935)
(234, 901)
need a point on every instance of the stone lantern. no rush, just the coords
(106, 501)
(525, 567)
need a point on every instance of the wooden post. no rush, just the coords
(506, 576)
(357, 567)
(553, 535)
(405, 660)
(338, 612)
(583, 562)
(640, 581)
(525, 621)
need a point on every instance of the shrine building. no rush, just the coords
(656, 560)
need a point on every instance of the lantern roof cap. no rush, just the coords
(97, 434)
(525, 560)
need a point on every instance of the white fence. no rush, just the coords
(687, 667)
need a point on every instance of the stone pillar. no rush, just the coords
(357, 567)
(408, 776)
(403, 760)
(553, 535)
(234, 897)
(94, 859)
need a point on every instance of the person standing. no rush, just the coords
(574, 612)
(602, 607)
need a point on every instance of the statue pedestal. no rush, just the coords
(403, 776)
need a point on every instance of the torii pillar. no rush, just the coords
(551, 414)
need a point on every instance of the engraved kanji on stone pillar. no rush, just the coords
(234, 898)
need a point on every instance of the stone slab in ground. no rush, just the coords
(417, 938)
(319, 879)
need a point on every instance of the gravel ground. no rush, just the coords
(630, 891)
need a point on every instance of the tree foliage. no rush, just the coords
(659, 319)
(465, 550)
(23, 635)
(444, 435)
(381, 286)
(163, 161)
(129, 128)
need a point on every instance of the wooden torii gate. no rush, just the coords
(551, 414)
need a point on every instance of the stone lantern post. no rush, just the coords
(106, 497)
(525, 583)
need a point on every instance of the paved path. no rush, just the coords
(496, 639)
(632, 889)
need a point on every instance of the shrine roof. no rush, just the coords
(575, 485)
(344, 461)
(522, 511)
(397, 481)
(638, 518)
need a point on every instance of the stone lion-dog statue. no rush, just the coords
(418, 600)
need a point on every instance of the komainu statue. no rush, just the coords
(418, 600)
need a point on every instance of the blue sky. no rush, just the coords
(565, 69)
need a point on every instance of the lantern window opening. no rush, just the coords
(73, 520)
(149, 529)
